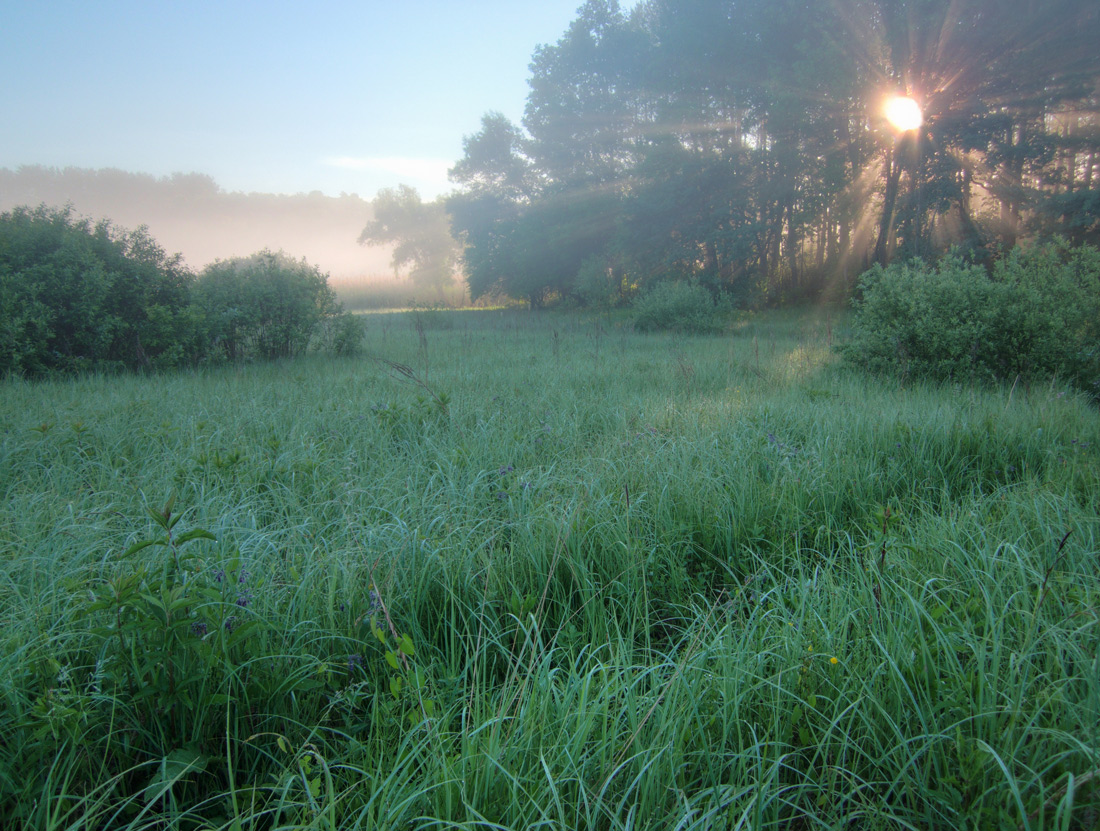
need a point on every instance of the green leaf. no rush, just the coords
(406, 645)
(195, 534)
(172, 768)
(282, 744)
(138, 546)
(391, 659)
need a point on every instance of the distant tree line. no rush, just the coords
(192, 214)
(742, 145)
(80, 296)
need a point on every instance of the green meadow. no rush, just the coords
(538, 571)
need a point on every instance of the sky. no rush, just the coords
(337, 97)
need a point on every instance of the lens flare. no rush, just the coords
(903, 113)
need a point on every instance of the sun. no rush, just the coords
(903, 113)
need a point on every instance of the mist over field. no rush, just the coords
(190, 214)
(715, 446)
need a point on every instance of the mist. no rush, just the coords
(189, 214)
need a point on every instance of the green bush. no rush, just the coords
(78, 296)
(269, 305)
(680, 307)
(1060, 285)
(1036, 315)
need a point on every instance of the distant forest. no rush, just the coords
(189, 213)
(743, 145)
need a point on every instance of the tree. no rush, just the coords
(742, 142)
(496, 176)
(521, 237)
(420, 233)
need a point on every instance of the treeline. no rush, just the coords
(79, 296)
(190, 213)
(743, 144)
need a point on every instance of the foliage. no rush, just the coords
(269, 305)
(77, 296)
(1034, 316)
(420, 233)
(680, 307)
(744, 144)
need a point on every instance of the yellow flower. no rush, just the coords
(834, 660)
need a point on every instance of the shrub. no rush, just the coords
(1036, 315)
(681, 307)
(80, 296)
(269, 305)
(1061, 287)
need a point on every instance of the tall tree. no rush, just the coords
(743, 141)
(419, 232)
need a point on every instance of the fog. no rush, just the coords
(190, 214)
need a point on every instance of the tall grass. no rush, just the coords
(524, 571)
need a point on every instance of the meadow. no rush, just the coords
(519, 571)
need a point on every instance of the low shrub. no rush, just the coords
(680, 307)
(269, 306)
(1036, 315)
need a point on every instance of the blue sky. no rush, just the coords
(265, 96)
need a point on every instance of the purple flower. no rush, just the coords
(198, 628)
(355, 662)
(219, 575)
(505, 469)
(244, 598)
(502, 495)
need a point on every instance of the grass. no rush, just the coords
(538, 571)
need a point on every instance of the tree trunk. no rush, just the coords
(884, 245)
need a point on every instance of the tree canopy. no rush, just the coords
(744, 144)
(419, 232)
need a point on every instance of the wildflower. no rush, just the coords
(219, 575)
(355, 662)
(502, 495)
(505, 469)
(374, 601)
(244, 598)
(834, 660)
(198, 628)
